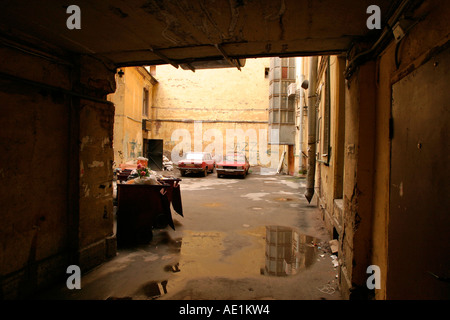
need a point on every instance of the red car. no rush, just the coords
(196, 162)
(233, 164)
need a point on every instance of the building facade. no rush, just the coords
(132, 99)
(213, 110)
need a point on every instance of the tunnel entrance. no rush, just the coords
(224, 232)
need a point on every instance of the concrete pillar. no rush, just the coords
(96, 157)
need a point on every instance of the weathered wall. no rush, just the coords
(329, 165)
(95, 239)
(219, 99)
(34, 144)
(422, 43)
(56, 158)
(211, 137)
(374, 233)
(358, 177)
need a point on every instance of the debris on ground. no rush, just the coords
(334, 246)
(167, 164)
(335, 261)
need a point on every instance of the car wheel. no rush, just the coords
(182, 173)
(205, 173)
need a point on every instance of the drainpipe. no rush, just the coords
(312, 97)
(300, 107)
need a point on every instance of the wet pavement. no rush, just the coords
(240, 239)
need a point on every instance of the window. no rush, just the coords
(284, 72)
(145, 103)
(281, 104)
(324, 118)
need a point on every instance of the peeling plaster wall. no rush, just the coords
(96, 157)
(96, 241)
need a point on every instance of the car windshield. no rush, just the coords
(194, 156)
(234, 157)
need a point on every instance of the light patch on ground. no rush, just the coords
(194, 185)
(284, 192)
(268, 172)
(293, 184)
(255, 196)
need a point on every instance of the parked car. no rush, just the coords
(196, 162)
(233, 164)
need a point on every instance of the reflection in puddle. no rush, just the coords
(287, 251)
(274, 250)
(252, 252)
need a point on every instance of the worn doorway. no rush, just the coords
(418, 243)
(153, 151)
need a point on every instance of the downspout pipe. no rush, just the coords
(300, 107)
(312, 98)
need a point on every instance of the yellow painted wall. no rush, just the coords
(128, 100)
(325, 173)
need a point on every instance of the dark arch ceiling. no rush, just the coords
(149, 32)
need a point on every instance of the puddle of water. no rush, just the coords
(269, 250)
(252, 252)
